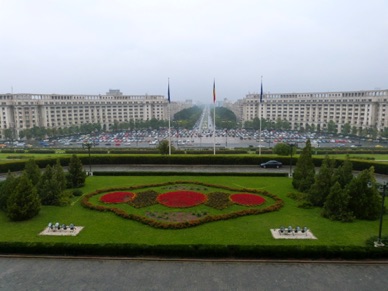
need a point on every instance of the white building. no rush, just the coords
(362, 109)
(22, 111)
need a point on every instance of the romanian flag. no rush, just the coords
(214, 91)
(168, 92)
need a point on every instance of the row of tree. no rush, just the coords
(41, 132)
(268, 124)
(225, 118)
(21, 197)
(341, 195)
(331, 127)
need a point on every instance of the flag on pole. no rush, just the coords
(214, 91)
(168, 92)
(261, 91)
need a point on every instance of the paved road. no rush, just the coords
(104, 274)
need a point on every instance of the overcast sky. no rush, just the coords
(91, 46)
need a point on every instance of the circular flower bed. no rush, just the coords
(117, 197)
(247, 199)
(181, 199)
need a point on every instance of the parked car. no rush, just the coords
(271, 164)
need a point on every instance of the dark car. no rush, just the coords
(271, 164)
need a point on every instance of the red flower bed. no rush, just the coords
(181, 198)
(117, 197)
(247, 199)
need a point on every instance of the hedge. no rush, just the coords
(196, 250)
(137, 173)
(41, 151)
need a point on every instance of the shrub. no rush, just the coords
(77, 192)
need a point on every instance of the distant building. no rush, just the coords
(361, 109)
(22, 111)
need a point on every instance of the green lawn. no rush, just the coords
(104, 227)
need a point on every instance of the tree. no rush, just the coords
(52, 186)
(6, 189)
(225, 118)
(346, 128)
(187, 117)
(45, 187)
(59, 176)
(163, 147)
(323, 182)
(344, 172)
(8, 134)
(336, 206)
(372, 132)
(282, 149)
(384, 132)
(331, 127)
(304, 171)
(364, 200)
(76, 175)
(23, 202)
(32, 171)
(354, 130)
(286, 125)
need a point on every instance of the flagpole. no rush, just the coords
(169, 118)
(260, 101)
(169, 129)
(214, 117)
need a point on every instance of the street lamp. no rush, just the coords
(89, 145)
(382, 189)
(291, 150)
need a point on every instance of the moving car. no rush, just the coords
(271, 164)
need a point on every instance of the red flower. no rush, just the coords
(181, 198)
(247, 199)
(117, 197)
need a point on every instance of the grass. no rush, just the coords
(105, 228)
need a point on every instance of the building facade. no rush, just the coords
(23, 111)
(360, 109)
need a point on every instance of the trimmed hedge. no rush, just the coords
(196, 250)
(123, 173)
(41, 151)
(85, 151)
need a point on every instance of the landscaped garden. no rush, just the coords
(152, 205)
(158, 202)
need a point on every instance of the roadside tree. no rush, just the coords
(282, 149)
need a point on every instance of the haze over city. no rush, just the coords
(89, 47)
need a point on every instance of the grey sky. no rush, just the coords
(89, 46)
